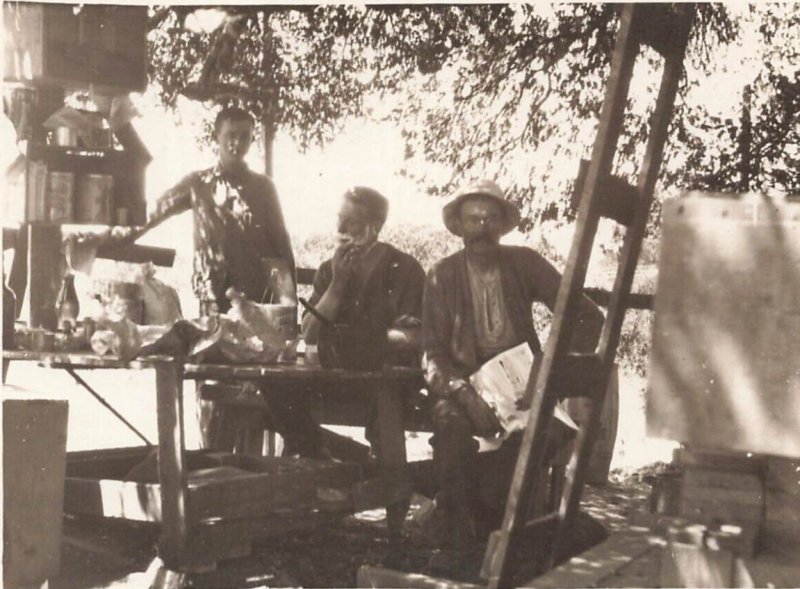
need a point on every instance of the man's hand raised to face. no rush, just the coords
(482, 416)
(343, 265)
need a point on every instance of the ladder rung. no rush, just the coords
(602, 298)
(618, 198)
(577, 375)
(540, 524)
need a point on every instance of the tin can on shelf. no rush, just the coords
(36, 194)
(65, 137)
(93, 202)
(122, 216)
(60, 188)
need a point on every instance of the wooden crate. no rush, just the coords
(71, 45)
(34, 450)
(726, 338)
(230, 498)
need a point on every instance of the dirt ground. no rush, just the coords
(326, 557)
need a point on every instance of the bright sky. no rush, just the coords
(309, 185)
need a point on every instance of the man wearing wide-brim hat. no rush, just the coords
(477, 304)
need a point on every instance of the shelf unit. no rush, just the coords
(50, 48)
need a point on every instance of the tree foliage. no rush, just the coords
(507, 91)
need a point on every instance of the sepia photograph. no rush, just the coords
(446, 296)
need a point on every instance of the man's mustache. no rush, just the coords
(486, 238)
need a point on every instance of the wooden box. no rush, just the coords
(725, 363)
(230, 499)
(76, 45)
(34, 452)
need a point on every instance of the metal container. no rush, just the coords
(60, 188)
(36, 195)
(93, 202)
(65, 137)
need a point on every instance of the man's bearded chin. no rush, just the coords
(368, 237)
(482, 238)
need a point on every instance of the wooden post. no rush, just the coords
(171, 463)
(393, 448)
(268, 141)
(45, 270)
(269, 93)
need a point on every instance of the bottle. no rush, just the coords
(9, 315)
(270, 292)
(67, 305)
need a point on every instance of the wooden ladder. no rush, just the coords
(665, 28)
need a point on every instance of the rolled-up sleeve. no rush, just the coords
(174, 201)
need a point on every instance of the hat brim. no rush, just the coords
(511, 216)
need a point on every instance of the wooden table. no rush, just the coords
(388, 386)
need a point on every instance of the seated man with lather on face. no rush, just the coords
(367, 283)
(477, 304)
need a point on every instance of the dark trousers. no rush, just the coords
(288, 414)
(472, 488)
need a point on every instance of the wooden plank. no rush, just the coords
(301, 371)
(171, 470)
(374, 576)
(138, 254)
(34, 459)
(253, 494)
(694, 457)
(113, 498)
(88, 361)
(721, 479)
(592, 567)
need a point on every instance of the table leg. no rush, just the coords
(393, 451)
(171, 463)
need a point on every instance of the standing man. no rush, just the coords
(477, 304)
(239, 235)
(238, 222)
(366, 284)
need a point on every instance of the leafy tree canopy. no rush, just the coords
(508, 91)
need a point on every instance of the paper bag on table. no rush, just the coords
(162, 306)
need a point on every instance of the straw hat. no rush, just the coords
(450, 212)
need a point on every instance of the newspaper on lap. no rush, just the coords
(502, 381)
